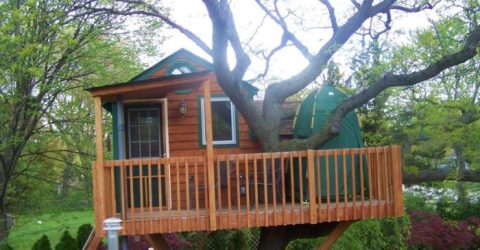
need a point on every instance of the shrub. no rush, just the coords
(82, 234)
(429, 230)
(447, 208)
(67, 242)
(42, 244)
(416, 202)
(5, 246)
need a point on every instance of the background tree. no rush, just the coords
(50, 51)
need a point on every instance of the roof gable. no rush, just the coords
(181, 56)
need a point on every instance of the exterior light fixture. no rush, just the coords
(182, 108)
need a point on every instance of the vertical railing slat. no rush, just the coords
(122, 192)
(300, 178)
(284, 205)
(337, 198)
(265, 194)
(132, 200)
(247, 187)
(345, 185)
(311, 186)
(397, 180)
(378, 179)
(354, 188)
(292, 185)
(274, 188)
(362, 184)
(160, 193)
(318, 169)
(327, 180)
(237, 178)
(255, 180)
(142, 212)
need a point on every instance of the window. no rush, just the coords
(143, 132)
(180, 68)
(224, 121)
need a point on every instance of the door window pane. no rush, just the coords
(144, 132)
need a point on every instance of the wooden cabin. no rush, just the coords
(186, 160)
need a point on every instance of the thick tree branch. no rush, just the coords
(331, 13)
(440, 175)
(331, 129)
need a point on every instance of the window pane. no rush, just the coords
(144, 132)
(222, 121)
(134, 149)
(134, 132)
(155, 150)
(145, 147)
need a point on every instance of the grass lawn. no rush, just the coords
(28, 228)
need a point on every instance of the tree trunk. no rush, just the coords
(461, 190)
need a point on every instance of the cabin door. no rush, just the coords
(143, 132)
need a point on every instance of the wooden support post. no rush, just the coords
(210, 168)
(98, 171)
(335, 234)
(311, 186)
(157, 241)
(397, 180)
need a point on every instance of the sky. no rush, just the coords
(193, 15)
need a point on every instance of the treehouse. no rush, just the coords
(184, 159)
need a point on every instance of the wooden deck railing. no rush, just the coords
(251, 190)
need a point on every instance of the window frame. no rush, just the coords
(128, 109)
(233, 115)
(177, 65)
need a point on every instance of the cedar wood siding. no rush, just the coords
(185, 137)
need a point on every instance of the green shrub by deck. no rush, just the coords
(82, 234)
(67, 242)
(42, 244)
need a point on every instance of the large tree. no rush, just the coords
(231, 52)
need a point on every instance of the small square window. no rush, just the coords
(224, 124)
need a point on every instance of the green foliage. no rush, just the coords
(302, 244)
(82, 234)
(388, 233)
(29, 228)
(42, 244)
(233, 239)
(416, 202)
(5, 246)
(67, 242)
(449, 209)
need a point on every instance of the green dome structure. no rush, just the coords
(310, 117)
(313, 112)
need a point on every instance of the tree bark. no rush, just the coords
(440, 175)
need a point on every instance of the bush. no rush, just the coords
(447, 208)
(430, 231)
(416, 202)
(42, 244)
(67, 242)
(82, 234)
(5, 246)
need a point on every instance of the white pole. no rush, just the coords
(112, 226)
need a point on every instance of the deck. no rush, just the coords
(167, 195)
